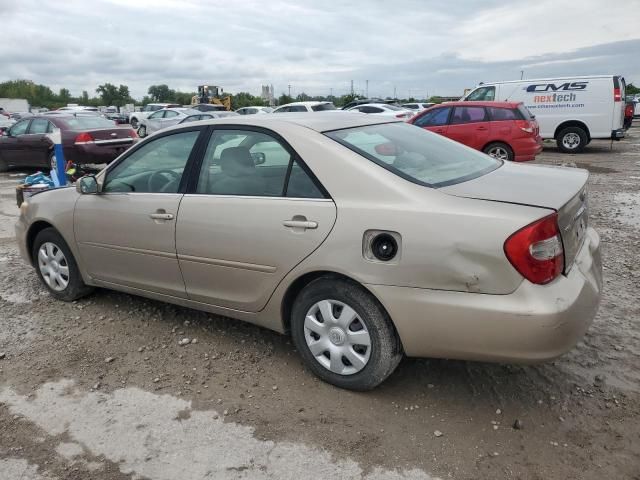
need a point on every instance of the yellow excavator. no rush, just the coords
(212, 95)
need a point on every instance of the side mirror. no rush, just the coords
(258, 158)
(87, 185)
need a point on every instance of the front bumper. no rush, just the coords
(21, 239)
(534, 323)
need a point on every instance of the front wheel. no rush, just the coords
(499, 150)
(142, 131)
(572, 140)
(344, 335)
(56, 266)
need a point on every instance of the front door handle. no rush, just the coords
(303, 224)
(162, 216)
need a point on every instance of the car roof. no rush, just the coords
(465, 103)
(308, 103)
(323, 122)
(371, 105)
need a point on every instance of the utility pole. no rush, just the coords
(289, 89)
(521, 74)
(367, 91)
(331, 92)
(352, 88)
(394, 92)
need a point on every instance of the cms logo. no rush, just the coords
(552, 87)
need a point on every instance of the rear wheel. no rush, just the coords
(56, 266)
(344, 335)
(499, 150)
(572, 140)
(134, 122)
(142, 131)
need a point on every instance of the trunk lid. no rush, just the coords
(556, 188)
(109, 136)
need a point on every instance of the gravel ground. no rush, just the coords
(101, 388)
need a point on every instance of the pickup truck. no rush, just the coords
(135, 117)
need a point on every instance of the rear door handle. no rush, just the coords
(305, 224)
(162, 216)
(482, 128)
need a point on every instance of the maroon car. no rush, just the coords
(85, 139)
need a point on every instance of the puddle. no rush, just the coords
(149, 435)
(629, 208)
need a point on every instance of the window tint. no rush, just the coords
(487, 94)
(170, 114)
(498, 114)
(323, 106)
(251, 163)
(434, 118)
(156, 167)
(416, 155)
(468, 115)
(297, 108)
(40, 126)
(282, 110)
(19, 128)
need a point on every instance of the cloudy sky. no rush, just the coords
(420, 47)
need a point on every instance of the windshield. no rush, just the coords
(83, 123)
(323, 106)
(417, 155)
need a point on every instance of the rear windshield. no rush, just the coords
(323, 106)
(524, 111)
(412, 153)
(83, 123)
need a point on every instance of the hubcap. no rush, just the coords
(142, 131)
(571, 140)
(499, 153)
(337, 337)
(53, 266)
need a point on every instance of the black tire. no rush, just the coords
(142, 131)
(134, 123)
(386, 349)
(76, 288)
(572, 140)
(506, 152)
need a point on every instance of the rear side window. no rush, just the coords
(416, 155)
(468, 115)
(486, 94)
(323, 106)
(40, 126)
(499, 114)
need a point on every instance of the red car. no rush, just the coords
(85, 139)
(505, 130)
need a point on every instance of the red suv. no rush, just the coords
(505, 130)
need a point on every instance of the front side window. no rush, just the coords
(297, 108)
(249, 163)
(468, 115)
(170, 114)
(282, 110)
(40, 126)
(19, 128)
(323, 106)
(485, 94)
(434, 118)
(156, 116)
(416, 155)
(156, 167)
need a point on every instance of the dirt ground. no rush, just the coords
(101, 389)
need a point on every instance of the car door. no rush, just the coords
(434, 120)
(14, 147)
(470, 126)
(171, 117)
(126, 233)
(255, 213)
(39, 144)
(154, 121)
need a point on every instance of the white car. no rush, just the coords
(384, 110)
(417, 106)
(135, 117)
(253, 110)
(305, 107)
(571, 110)
(167, 117)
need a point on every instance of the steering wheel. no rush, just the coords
(161, 176)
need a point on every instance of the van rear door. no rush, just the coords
(619, 87)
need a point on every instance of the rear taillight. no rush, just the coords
(536, 250)
(83, 138)
(617, 96)
(525, 125)
(133, 134)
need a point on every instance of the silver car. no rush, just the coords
(362, 237)
(167, 117)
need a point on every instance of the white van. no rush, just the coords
(572, 110)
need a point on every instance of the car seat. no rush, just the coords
(238, 174)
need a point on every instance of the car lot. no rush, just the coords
(116, 369)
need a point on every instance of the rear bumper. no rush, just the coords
(526, 149)
(534, 323)
(617, 134)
